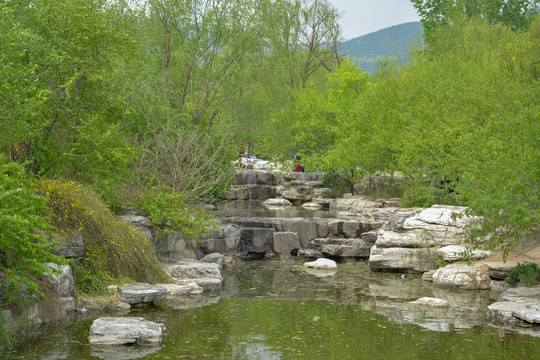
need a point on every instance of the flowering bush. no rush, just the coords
(114, 251)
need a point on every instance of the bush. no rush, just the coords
(24, 247)
(529, 274)
(169, 210)
(114, 251)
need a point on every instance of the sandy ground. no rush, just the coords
(528, 250)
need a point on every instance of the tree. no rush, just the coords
(516, 14)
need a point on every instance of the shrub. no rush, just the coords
(169, 210)
(24, 247)
(529, 274)
(113, 250)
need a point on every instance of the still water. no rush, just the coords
(277, 310)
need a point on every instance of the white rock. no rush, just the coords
(463, 276)
(321, 263)
(120, 331)
(453, 253)
(142, 293)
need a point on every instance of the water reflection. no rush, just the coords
(276, 310)
(255, 208)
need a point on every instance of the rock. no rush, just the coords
(257, 239)
(353, 204)
(215, 258)
(341, 247)
(70, 245)
(312, 205)
(428, 275)
(193, 270)
(321, 263)
(135, 294)
(309, 253)
(122, 306)
(401, 259)
(393, 218)
(174, 290)
(498, 271)
(370, 238)
(176, 246)
(474, 277)
(141, 223)
(285, 242)
(124, 331)
(453, 253)
(208, 284)
(389, 239)
(500, 286)
(442, 222)
(62, 282)
(305, 228)
(277, 203)
(68, 303)
(518, 306)
(428, 301)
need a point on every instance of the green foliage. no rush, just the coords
(170, 211)
(5, 335)
(114, 251)
(24, 248)
(529, 274)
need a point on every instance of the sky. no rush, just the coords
(361, 17)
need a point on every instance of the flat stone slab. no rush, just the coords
(455, 253)
(401, 259)
(390, 239)
(515, 312)
(321, 263)
(124, 331)
(142, 293)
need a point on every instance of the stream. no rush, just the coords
(279, 310)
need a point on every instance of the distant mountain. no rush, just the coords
(393, 41)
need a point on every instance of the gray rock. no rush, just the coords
(140, 293)
(141, 223)
(309, 253)
(62, 282)
(285, 242)
(257, 239)
(306, 229)
(215, 258)
(474, 277)
(193, 270)
(70, 245)
(353, 204)
(401, 259)
(346, 248)
(370, 238)
(123, 331)
(498, 271)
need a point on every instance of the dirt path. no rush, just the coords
(528, 250)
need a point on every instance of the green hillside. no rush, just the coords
(393, 41)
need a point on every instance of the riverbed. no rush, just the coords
(278, 310)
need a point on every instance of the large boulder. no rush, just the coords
(402, 259)
(125, 331)
(257, 239)
(445, 224)
(174, 246)
(463, 276)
